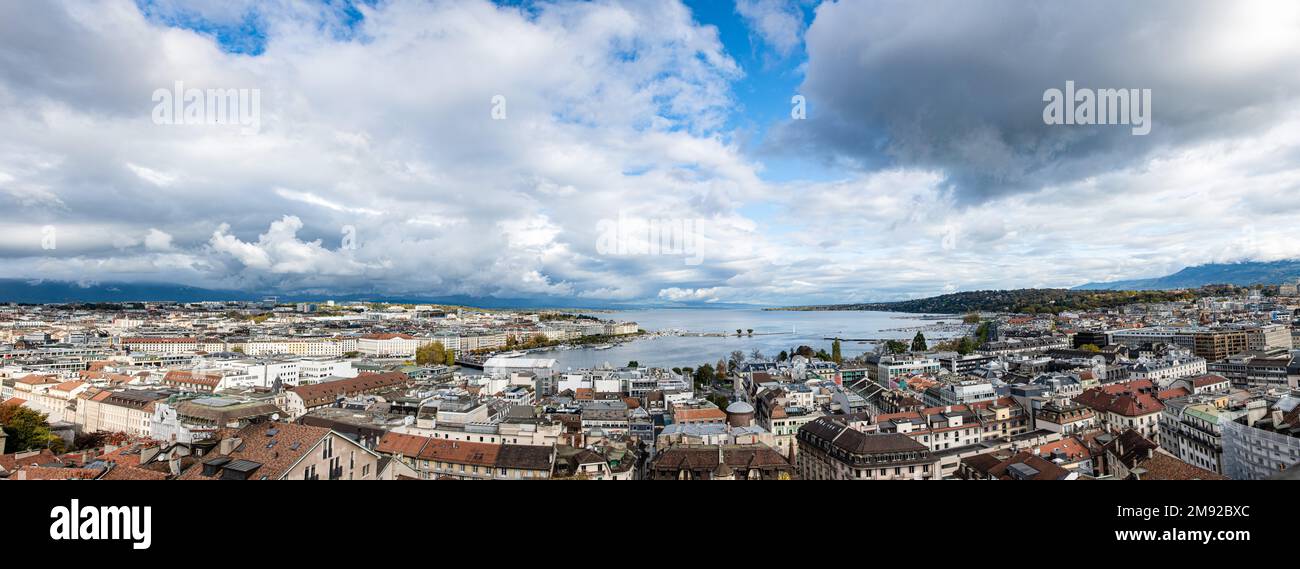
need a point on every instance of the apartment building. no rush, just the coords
(434, 458)
(1215, 345)
(128, 411)
(298, 400)
(390, 345)
(1191, 430)
(1255, 369)
(327, 347)
(954, 426)
(891, 368)
(1065, 416)
(1128, 405)
(162, 345)
(831, 450)
(286, 451)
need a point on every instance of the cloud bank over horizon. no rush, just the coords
(469, 148)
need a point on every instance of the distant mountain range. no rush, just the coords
(1047, 300)
(54, 292)
(1241, 274)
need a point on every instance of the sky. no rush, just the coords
(793, 151)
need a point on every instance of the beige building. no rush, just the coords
(285, 451)
(128, 412)
(831, 450)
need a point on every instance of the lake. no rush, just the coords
(773, 331)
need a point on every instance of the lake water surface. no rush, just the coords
(773, 331)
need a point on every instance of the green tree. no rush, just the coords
(450, 356)
(704, 376)
(1090, 348)
(432, 353)
(26, 430)
(965, 346)
(972, 318)
(633, 364)
(918, 343)
(895, 347)
(836, 355)
(536, 341)
(782, 356)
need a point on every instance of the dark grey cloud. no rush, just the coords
(957, 86)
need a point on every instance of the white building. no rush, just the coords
(390, 345)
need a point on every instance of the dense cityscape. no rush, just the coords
(1200, 389)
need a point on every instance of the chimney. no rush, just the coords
(229, 444)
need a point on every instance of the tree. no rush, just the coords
(822, 355)
(836, 355)
(433, 353)
(451, 358)
(26, 430)
(721, 367)
(737, 358)
(965, 346)
(972, 318)
(750, 330)
(738, 332)
(704, 376)
(633, 364)
(895, 347)
(918, 343)
(805, 351)
(782, 356)
(1090, 348)
(755, 355)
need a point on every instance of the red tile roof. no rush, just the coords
(318, 394)
(1130, 399)
(292, 441)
